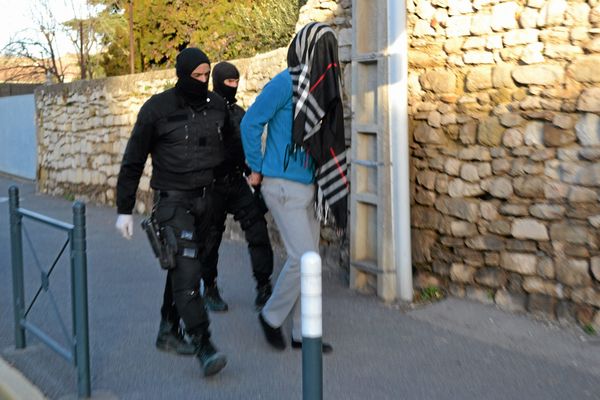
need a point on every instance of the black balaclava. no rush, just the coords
(193, 90)
(220, 72)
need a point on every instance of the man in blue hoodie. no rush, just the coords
(287, 171)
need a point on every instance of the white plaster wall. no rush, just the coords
(18, 144)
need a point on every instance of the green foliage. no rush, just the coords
(430, 293)
(224, 29)
(589, 329)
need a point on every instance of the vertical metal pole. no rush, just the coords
(400, 152)
(16, 251)
(312, 326)
(73, 294)
(82, 346)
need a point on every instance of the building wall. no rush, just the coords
(18, 150)
(504, 103)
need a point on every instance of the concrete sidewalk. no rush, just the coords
(453, 349)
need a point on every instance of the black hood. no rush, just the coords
(222, 71)
(194, 91)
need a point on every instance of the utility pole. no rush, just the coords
(82, 52)
(131, 42)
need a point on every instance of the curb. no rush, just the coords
(15, 386)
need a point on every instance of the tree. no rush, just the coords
(37, 51)
(33, 54)
(82, 31)
(224, 29)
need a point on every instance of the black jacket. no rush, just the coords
(185, 144)
(235, 160)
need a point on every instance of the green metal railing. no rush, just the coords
(79, 339)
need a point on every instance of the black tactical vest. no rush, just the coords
(187, 144)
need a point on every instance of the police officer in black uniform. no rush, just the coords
(183, 128)
(234, 196)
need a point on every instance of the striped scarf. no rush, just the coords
(318, 116)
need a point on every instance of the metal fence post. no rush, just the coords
(82, 346)
(16, 250)
(312, 326)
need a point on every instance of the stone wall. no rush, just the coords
(504, 102)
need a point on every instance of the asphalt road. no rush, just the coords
(454, 349)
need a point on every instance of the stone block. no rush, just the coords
(565, 313)
(459, 188)
(586, 296)
(582, 195)
(557, 137)
(422, 242)
(595, 268)
(508, 301)
(438, 81)
(463, 229)
(487, 242)
(552, 13)
(522, 246)
(499, 227)
(545, 75)
(589, 100)
(479, 78)
(459, 25)
(585, 69)
(520, 36)
(498, 187)
(425, 217)
(465, 209)
(490, 131)
(529, 186)
(426, 134)
(529, 228)
(529, 17)
(491, 277)
(479, 57)
(504, 16)
(522, 263)
(574, 272)
(534, 284)
(542, 305)
(569, 232)
(547, 211)
(462, 273)
(481, 295)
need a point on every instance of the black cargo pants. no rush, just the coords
(188, 216)
(233, 195)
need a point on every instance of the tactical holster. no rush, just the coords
(162, 241)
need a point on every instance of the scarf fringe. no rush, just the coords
(322, 209)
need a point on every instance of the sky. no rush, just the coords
(16, 17)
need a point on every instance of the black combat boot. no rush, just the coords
(170, 338)
(210, 359)
(213, 300)
(263, 292)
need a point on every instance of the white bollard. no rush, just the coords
(312, 326)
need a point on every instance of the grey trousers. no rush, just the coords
(291, 204)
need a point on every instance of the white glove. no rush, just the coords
(125, 225)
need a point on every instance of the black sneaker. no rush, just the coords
(263, 293)
(210, 359)
(273, 335)
(213, 300)
(171, 339)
